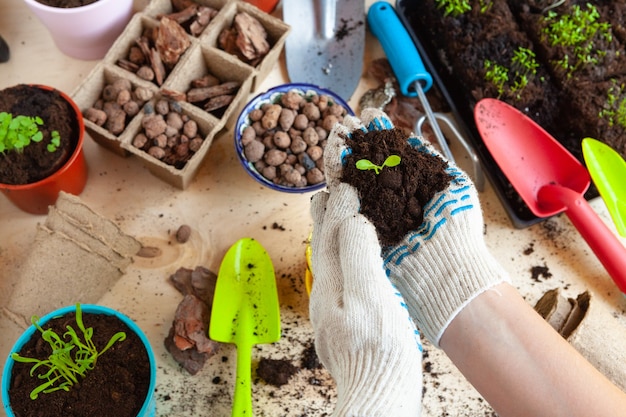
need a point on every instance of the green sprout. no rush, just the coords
(577, 31)
(496, 74)
(456, 8)
(72, 356)
(365, 164)
(615, 106)
(17, 132)
(523, 66)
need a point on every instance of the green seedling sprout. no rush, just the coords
(523, 66)
(615, 106)
(496, 74)
(456, 8)
(365, 164)
(17, 132)
(578, 31)
(73, 354)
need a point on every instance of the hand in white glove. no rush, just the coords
(444, 264)
(363, 333)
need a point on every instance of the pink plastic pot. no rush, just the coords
(71, 177)
(85, 32)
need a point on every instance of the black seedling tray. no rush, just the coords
(459, 102)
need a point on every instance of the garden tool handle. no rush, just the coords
(405, 61)
(399, 48)
(242, 397)
(327, 17)
(603, 242)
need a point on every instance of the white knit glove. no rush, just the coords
(444, 264)
(363, 333)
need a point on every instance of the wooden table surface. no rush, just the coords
(223, 204)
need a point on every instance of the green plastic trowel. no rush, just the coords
(608, 172)
(245, 311)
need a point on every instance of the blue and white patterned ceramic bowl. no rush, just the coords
(273, 95)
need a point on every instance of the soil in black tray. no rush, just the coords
(393, 200)
(557, 96)
(116, 387)
(36, 162)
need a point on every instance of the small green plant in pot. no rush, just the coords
(89, 358)
(41, 146)
(17, 132)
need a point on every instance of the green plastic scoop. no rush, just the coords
(245, 311)
(608, 172)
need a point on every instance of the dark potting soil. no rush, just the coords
(276, 372)
(66, 3)
(393, 200)
(569, 105)
(36, 162)
(116, 387)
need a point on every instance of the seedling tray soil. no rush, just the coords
(460, 51)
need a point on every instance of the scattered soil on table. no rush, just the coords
(36, 162)
(66, 3)
(116, 387)
(540, 271)
(276, 372)
(393, 200)
(310, 360)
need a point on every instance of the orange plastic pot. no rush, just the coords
(71, 177)
(267, 6)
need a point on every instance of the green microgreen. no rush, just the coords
(523, 66)
(17, 132)
(456, 8)
(577, 31)
(73, 354)
(614, 109)
(365, 164)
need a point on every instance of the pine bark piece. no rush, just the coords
(196, 95)
(246, 38)
(171, 41)
(179, 5)
(251, 37)
(182, 16)
(207, 80)
(218, 102)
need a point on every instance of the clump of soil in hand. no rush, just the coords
(394, 199)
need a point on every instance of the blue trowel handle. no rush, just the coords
(399, 48)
